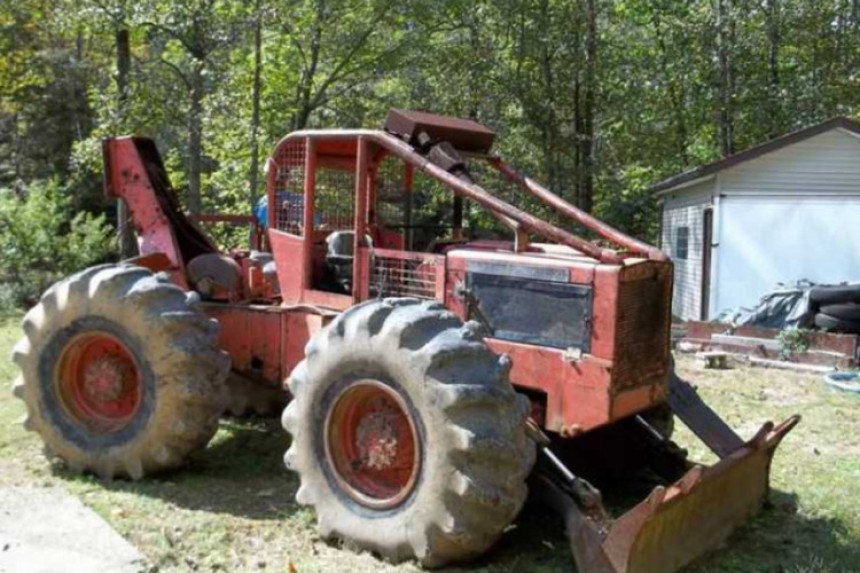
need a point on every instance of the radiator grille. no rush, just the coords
(642, 335)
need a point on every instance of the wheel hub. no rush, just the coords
(371, 444)
(98, 382)
(103, 378)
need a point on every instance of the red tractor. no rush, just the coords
(439, 328)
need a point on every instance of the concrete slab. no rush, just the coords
(46, 530)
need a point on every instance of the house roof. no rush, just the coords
(704, 171)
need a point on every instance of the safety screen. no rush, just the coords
(334, 199)
(392, 201)
(534, 311)
(395, 273)
(289, 187)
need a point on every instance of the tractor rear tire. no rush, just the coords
(407, 436)
(120, 374)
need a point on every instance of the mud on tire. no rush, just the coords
(473, 455)
(171, 382)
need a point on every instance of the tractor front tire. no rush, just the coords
(407, 436)
(120, 374)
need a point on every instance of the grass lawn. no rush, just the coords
(232, 508)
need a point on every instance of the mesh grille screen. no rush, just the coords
(289, 187)
(642, 337)
(391, 276)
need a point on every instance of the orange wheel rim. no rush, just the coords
(98, 382)
(372, 445)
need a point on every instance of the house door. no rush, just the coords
(707, 239)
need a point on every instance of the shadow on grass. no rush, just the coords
(782, 539)
(241, 473)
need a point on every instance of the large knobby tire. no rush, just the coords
(824, 295)
(407, 436)
(120, 374)
(845, 311)
(834, 324)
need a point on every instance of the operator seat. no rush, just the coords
(339, 257)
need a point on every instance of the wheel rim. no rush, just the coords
(372, 445)
(98, 382)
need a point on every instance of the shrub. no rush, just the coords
(792, 341)
(43, 240)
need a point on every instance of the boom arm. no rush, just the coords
(134, 172)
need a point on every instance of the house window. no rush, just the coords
(682, 243)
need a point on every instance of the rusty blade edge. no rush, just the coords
(741, 479)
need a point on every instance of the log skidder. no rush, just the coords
(407, 435)
(120, 374)
(409, 427)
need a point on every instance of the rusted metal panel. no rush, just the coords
(604, 319)
(646, 393)
(127, 179)
(577, 392)
(464, 134)
(297, 328)
(514, 268)
(288, 252)
(360, 274)
(329, 300)
(440, 278)
(308, 215)
(252, 337)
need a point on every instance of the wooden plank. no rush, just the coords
(767, 343)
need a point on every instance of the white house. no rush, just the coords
(782, 211)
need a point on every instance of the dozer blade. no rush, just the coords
(674, 524)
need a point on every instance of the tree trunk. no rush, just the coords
(304, 89)
(550, 124)
(588, 99)
(676, 92)
(253, 176)
(125, 234)
(724, 122)
(195, 137)
(773, 35)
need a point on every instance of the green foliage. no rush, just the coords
(596, 99)
(792, 341)
(42, 240)
(627, 203)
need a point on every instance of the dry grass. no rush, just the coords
(232, 507)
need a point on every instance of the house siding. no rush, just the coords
(789, 215)
(686, 208)
(827, 164)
